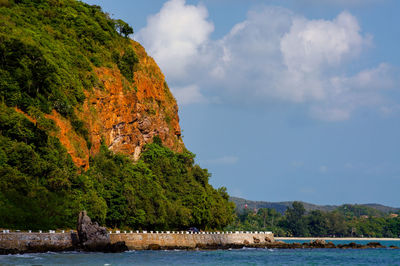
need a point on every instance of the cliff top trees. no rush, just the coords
(123, 28)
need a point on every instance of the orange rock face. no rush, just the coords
(75, 144)
(125, 115)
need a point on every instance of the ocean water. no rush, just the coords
(217, 257)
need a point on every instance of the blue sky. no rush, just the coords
(283, 100)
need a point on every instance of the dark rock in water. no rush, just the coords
(119, 246)
(5, 251)
(375, 245)
(330, 245)
(92, 237)
(319, 242)
(351, 245)
(154, 247)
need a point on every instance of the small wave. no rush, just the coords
(130, 251)
(52, 252)
(247, 248)
(70, 252)
(27, 256)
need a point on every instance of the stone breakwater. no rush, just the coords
(21, 242)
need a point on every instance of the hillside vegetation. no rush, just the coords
(50, 51)
(362, 209)
(296, 220)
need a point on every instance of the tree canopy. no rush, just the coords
(297, 222)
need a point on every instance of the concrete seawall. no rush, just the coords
(35, 242)
(184, 240)
(15, 242)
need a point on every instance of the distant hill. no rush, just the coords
(282, 206)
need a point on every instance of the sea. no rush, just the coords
(245, 256)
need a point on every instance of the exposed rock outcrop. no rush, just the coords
(124, 115)
(92, 237)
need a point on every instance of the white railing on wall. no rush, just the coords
(7, 231)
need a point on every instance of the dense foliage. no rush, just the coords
(41, 188)
(48, 52)
(346, 220)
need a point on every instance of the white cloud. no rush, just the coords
(175, 35)
(188, 95)
(273, 55)
(313, 44)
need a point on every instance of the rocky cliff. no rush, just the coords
(66, 60)
(125, 115)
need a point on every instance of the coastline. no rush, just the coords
(338, 238)
(19, 242)
(32, 242)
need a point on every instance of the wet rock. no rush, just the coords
(154, 247)
(318, 243)
(5, 251)
(330, 245)
(351, 245)
(375, 245)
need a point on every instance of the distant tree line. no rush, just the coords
(346, 220)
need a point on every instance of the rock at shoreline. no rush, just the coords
(92, 237)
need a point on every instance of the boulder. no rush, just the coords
(92, 237)
(269, 238)
(318, 243)
(375, 245)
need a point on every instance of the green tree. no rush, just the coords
(294, 219)
(317, 223)
(123, 28)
